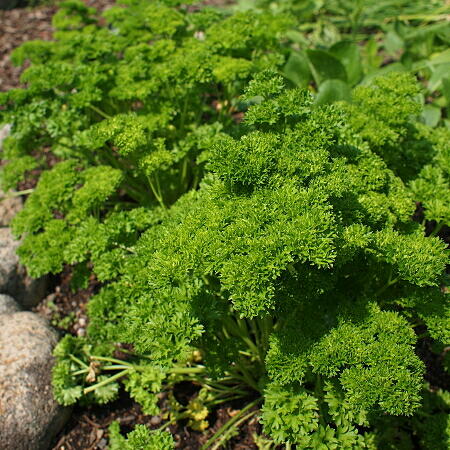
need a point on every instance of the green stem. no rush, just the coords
(318, 394)
(78, 361)
(386, 286)
(156, 192)
(17, 193)
(99, 112)
(184, 167)
(228, 434)
(112, 360)
(247, 377)
(187, 370)
(115, 367)
(437, 228)
(107, 381)
(229, 424)
(183, 115)
(219, 401)
(424, 17)
(135, 194)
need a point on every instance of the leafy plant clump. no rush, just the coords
(338, 44)
(249, 239)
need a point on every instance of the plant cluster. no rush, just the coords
(249, 237)
(338, 44)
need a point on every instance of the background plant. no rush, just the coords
(338, 44)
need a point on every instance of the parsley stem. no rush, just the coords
(99, 112)
(115, 367)
(113, 360)
(17, 193)
(223, 429)
(78, 361)
(186, 370)
(437, 228)
(228, 434)
(156, 191)
(107, 381)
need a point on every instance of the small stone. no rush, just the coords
(9, 207)
(30, 416)
(82, 322)
(14, 280)
(81, 332)
(50, 298)
(155, 420)
(8, 305)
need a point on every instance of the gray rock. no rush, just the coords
(30, 417)
(8, 305)
(9, 207)
(14, 280)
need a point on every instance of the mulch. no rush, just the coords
(18, 26)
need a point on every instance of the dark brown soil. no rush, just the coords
(18, 26)
(65, 307)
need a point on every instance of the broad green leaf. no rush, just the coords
(441, 57)
(372, 59)
(431, 115)
(393, 42)
(331, 91)
(437, 76)
(325, 66)
(297, 37)
(297, 69)
(349, 55)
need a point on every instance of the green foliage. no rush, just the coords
(141, 438)
(290, 217)
(432, 186)
(292, 415)
(344, 43)
(232, 218)
(91, 99)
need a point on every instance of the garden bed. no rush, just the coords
(233, 216)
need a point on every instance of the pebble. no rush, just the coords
(28, 292)
(155, 420)
(81, 332)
